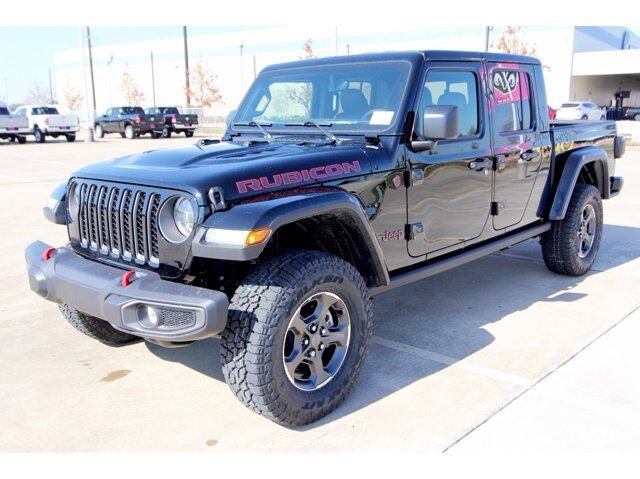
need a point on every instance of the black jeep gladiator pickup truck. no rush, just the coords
(337, 179)
(172, 121)
(129, 121)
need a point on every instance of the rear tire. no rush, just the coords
(99, 131)
(95, 328)
(129, 133)
(39, 135)
(584, 117)
(257, 344)
(166, 132)
(71, 137)
(155, 135)
(188, 133)
(636, 117)
(571, 246)
(22, 140)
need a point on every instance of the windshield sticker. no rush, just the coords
(381, 117)
(509, 86)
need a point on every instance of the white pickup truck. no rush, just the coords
(13, 127)
(46, 121)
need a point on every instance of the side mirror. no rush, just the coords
(230, 117)
(439, 122)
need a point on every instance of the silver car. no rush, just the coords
(580, 110)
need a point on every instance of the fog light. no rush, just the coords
(149, 317)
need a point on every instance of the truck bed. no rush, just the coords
(568, 135)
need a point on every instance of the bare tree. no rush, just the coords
(513, 40)
(37, 95)
(302, 94)
(129, 86)
(202, 85)
(72, 97)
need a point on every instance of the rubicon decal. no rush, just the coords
(297, 176)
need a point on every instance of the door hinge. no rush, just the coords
(413, 230)
(496, 206)
(413, 177)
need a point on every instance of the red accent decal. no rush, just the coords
(127, 278)
(47, 253)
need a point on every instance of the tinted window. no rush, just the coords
(513, 100)
(44, 110)
(455, 88)
(3, 111)
(168, 110)
(132, 110)
(21, 112)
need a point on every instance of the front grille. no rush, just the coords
(120, 222)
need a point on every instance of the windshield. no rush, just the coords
(349, 97)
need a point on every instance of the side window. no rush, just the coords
(457, 88)
(21, 112)
(513, 100)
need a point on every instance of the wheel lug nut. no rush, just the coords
(305, 341)
(321, 347)
(312, 353)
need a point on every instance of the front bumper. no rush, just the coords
(96, 289)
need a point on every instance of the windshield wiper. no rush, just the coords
(330, 136)
(261, 127)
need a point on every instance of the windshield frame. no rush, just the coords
(394, 128)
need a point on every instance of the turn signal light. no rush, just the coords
(257, 236)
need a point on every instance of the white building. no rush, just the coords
(584, 63)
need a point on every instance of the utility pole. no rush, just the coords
(93, 85)
(187, 88)
(241, 67)
(50, 88)
(254, 66)
(89, 120)
(335, 41)
(109, 79)
(153, 81)
(486, 38)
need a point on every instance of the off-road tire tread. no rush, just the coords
(95, 328)
(262, 298)
(558, 244)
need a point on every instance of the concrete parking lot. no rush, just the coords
(500, 354)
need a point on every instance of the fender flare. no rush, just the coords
(574, 163)
(276, 212)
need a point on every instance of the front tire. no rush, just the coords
(166, 132)
(22, 140)
(636, 117)
(95, 328)
(285, 311)
(71, 137)
(571, 246)
(188, 133)
(99, 131)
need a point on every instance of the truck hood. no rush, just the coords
(241, 170)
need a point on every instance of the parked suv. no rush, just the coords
(337, 179)
(584, 110)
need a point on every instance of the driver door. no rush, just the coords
(449, 195)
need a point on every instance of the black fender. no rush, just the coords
(278, 211)
(575, 161)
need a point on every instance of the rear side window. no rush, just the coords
(3, 111)
(513, 100)
(456, 88)
(44, 110)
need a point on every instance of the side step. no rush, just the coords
(470, 254)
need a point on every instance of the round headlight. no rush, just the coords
(73, 203)
(184, 216)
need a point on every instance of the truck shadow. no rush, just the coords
(429, 325)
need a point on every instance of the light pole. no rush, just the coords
(153, 81)
(487, 33)
(50, 88)
(241, 68)
(109, 62)
(186, 66)
(87, 92)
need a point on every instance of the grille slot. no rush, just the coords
(173, 318)
(120, 222)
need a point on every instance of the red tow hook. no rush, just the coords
(47, 253)
(127, 278)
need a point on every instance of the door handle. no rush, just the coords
(530, 155)
(479, 165)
